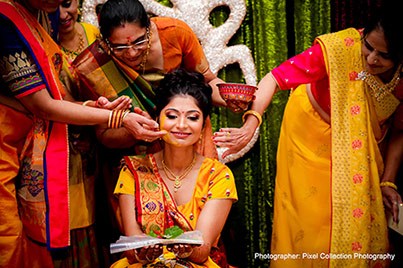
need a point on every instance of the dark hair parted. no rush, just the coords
(388, 19)
(181, 82)
(115, 13)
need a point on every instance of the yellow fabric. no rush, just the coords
(81, 184)
(327, 194)
(214, 181)
(37, 217)
(302, 192)
(358, 219)
(91, 32)
(14, 128)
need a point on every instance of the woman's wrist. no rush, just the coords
(88, 103)
(252, 114)
(116, 118)
(389, 184)
(251, 123)
(200, 254)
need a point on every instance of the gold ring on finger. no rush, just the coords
(228, 133)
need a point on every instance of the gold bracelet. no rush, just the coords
(254, 113)
(124, 115)
(110, 119)
(388, 184)
(86, 102)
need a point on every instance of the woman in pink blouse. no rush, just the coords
(340, 145)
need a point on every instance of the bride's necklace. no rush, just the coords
(177, 179)
(378, 88)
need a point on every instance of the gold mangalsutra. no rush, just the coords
(378, 88)
(177, 179)
(142, 65)
(72, 54)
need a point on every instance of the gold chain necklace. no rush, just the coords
(378, 88)
(142, 65)
(178, 179)
(72, 54)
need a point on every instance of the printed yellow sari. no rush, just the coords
(328, 204)
(158, 210)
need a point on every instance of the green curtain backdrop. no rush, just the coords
(269, 29)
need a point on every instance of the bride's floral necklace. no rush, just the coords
(378, 88)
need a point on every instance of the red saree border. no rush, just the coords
(168, 203)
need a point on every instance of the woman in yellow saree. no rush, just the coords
(330, 180)
(176, 186)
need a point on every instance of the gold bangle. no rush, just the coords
(388, 184)
(254, 113)
(116, 118)
(124, 115)
(110, 119)
(86, 102)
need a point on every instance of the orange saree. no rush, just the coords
(43, 162)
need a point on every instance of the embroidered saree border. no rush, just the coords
(43, 49)
(155, 207)
(104, 75)
(358, 221)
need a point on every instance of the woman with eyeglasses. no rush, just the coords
(134, 44)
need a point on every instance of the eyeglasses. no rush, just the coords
(119, 49)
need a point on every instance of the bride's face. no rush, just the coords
(183, 120)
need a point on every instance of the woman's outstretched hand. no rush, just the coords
(392, 201)
(121, 103)
(142, 128)
(233, 138)
(144, 255)
(181, 251)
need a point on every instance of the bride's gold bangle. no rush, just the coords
(254, 113)
(388, 184)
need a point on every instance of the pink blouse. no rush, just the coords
(307, 67)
